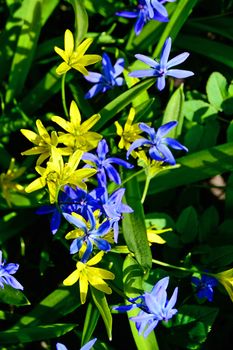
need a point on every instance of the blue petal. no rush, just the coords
(139, 23)
(142, 73)
(55, 222)
(177, 60)
(102, 244)
(119, 67)
(94, 90)
(116, 196)
(10, 268)
(119, 81)
(125, 308)
(155, 154)
(116, 231)
(127, 14)
(164, 129)
(163, 283)
(161, 83)
(102, 149)
(60, 346)
(75, 221)
(45, 209)
(165, 52)
(76, 245)
(119, 161)
(103, 229)
(147, 60)
(167, 154)
(175, 144)
(90, 157)
(12, 281)
(94, 77)
(173, 300)
(107, 67)
(88, 251)
(150, 131)
(179, 73)
(112, 173)
(159, 7)
(89, 345)
(136, 144)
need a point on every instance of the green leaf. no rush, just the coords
(174, 111)
(111, 109)
(198, 110)
(187, 225)
(90, 323)
(208, 223)
(81, 20)
(102, 305)
(179, 17)
(33, 17)
(30, 334)
(133, 279)
(216, 89)
(57, 304)
(219, 256)
(134, 228)
(12, 296)
(195, 167)
(212, 49)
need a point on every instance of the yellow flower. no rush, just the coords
(57, 174)
(153, 234)
(226, 279)
(75, 58)
(43, 141)
(86, 274)
(79, 136)
(130, 131)
(7, 184)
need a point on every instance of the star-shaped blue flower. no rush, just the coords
(204, 286)
(87, 346)
(163, 68)
(114, 208)
(158, 144)
(6, 270)
(108, 79)
(146, 10)
(92, 235)
(104, 165)
(154, 306)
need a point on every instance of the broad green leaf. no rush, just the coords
(33, 17)
(216, 89)
(178, 18)
(30, 334)
(90, 323)
(212, 49)
(81, 20)
(174, 111)
(195, 167)
(219, 256)
(198, 110)
(12, 296)
(227, 106)
(57, 304)
(134, 228)
(230, 132)
(187, 225)
(111, 109)
(102, 305)
(208, 223)
(133, 279)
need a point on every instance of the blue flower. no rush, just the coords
(109, 77)
(162, 69)
(6, 270)
(88, 346)
(146, 10)
(204, 286)
(114, 208)
(88, 233)
(158, 143)
(104, 165)
(154, 307)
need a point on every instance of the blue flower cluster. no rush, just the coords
(93, 214)
(154, 307)
(6, 272)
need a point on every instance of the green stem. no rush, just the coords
(63, 94)
(146, 187)
(131, 177)
(161, 263)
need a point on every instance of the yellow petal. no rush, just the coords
(74, 160)
(82, 48)
(89, 123)
(75, 116)
(80, 175)
(31, 136)
(154, 238)
(74, 234)
(69, 42)
(42, 131)
(64, 124)
(42, 158)
(34, 151)
(89, 59)
(101, 273)
(62, 68)
(129, 119)
(96, 259)
(83, 285)
(80, 68)
(36, 185)
(72, 278)
(61, 53)
(99, 284)
(119, 129)
(53, 188)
